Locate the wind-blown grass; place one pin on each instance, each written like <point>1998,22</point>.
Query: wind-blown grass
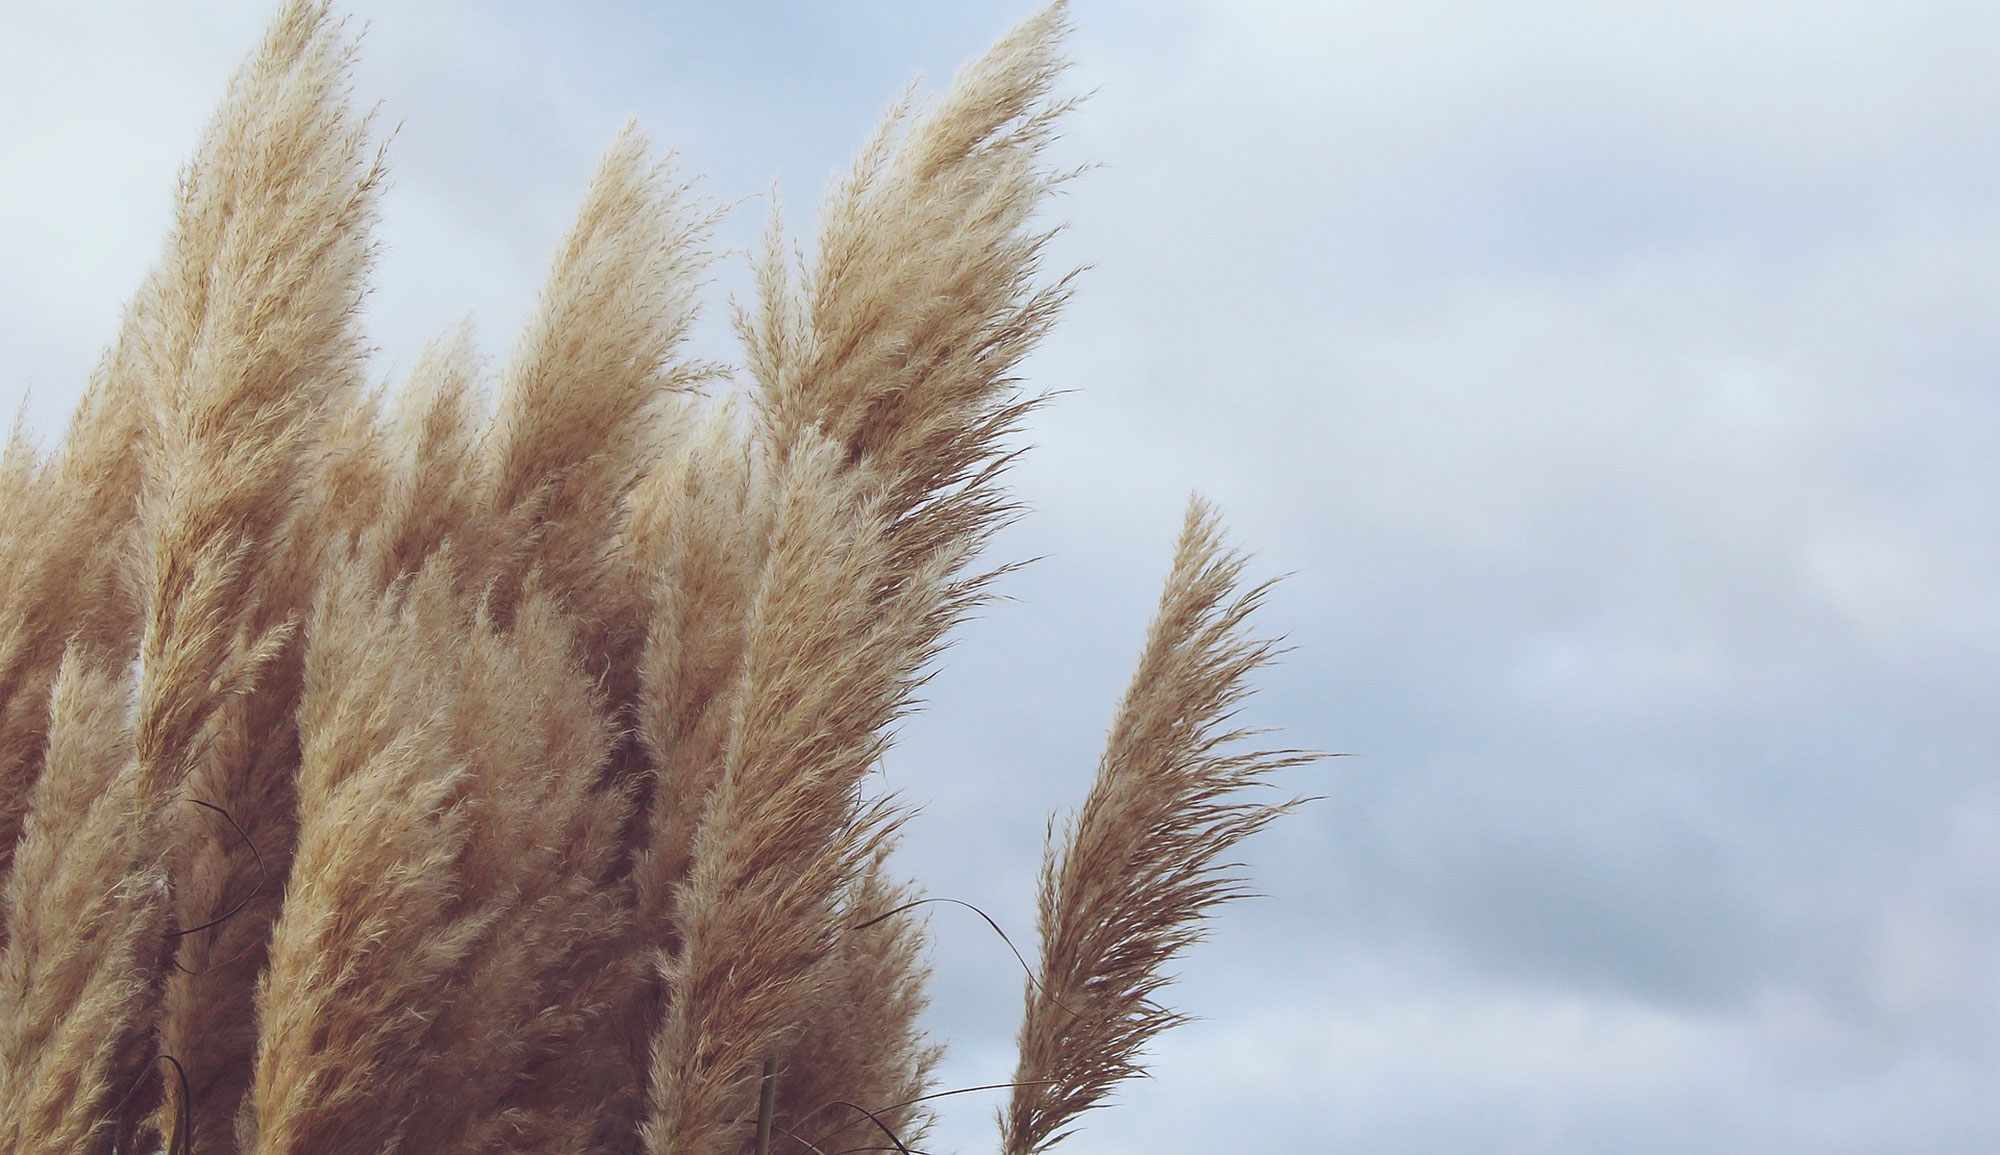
<point>416,774</point>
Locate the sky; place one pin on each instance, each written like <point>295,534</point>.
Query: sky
<point>1616,386</point>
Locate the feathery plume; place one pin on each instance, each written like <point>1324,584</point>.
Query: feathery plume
<point>254,348</point>
<point>79,978</point>
<point>831,657</point>
<point>253,360</point>
<point>1140,866</point>
<point>495,782</point>
<point>65,547</point>
<point>430,470</point>
<point>700,531</point>
<point>693,547</point>
<point>884,394</point>
<point>579,418</point>
<point>430,981</point>
<point>860,1042</point>
<point>592,404</point>
<point>900,343</point>
<point>364,935</point>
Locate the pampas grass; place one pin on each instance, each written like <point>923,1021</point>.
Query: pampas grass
<point>400,774</point>
<point>80,978</point>
<point>1128,885</point>
<point>252,365</point>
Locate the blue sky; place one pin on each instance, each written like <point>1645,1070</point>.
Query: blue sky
<point>1618,384</point>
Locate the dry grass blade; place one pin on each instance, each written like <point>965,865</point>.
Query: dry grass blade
<point>1140,866</point>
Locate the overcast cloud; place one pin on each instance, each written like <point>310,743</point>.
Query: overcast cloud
<point>1618,382</point>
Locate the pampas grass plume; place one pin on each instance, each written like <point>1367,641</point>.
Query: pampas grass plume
<point>430,772</point>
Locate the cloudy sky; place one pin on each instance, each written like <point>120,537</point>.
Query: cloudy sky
<point>1619,384</point>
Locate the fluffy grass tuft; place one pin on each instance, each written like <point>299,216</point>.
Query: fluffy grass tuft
<point>436,773</point>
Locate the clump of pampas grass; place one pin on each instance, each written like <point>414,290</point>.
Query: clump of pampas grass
<point>408,775</point>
